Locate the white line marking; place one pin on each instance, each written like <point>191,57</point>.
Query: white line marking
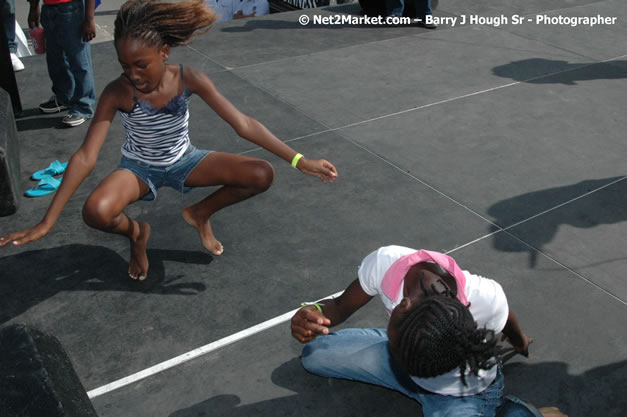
<point>444,101</point>
<point>203,350</point>
<point>284,317</point>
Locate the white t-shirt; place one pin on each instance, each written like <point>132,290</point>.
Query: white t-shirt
<point>488,306</point>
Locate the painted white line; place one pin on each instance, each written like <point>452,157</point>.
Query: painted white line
<point>565,203</point>
<point>285,317</point>
<point>444,101</point>
<point>203,350</point>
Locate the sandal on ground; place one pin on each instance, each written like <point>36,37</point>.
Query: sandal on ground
<point>46,186</point>
<point>55,168</point>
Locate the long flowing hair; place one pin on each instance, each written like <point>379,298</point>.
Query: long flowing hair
<point>159,23</point>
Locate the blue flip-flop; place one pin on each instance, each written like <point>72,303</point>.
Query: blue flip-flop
<point>46,186</point>
<point>55,168</point>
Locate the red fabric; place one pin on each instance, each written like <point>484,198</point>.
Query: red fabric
<point>55,2</point>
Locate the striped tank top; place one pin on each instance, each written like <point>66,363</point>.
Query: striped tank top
<point>157,137</point>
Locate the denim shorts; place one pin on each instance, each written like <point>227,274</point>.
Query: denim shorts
<point>173,176</point>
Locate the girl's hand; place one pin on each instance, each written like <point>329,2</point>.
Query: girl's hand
<point>33,15</point>
<point>321,168</point>
<point>88,30</point>
<point>521,346</point>
<point>308,323</point>
<point>29,235</point>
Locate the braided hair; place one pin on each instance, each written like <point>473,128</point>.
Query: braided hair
<point>440,334</point>
<point>159,23</point>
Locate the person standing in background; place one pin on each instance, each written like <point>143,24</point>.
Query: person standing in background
<point>423,9</point>
<point>8,19</point>
<point>69,26</point>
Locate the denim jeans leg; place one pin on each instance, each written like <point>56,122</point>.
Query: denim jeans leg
<point>423,8</point>
<point>358,355</point>
<point>72,78</point>
<point>78,55</point>
<point>363,355</point>
<point>515,407</point>
<point>62,81</point>
<point>395,7</point>
<point>84,98</point>
<point>8,19</point>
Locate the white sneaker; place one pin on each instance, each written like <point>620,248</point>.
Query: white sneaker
<point>73,120</point>
<point>17,63</point>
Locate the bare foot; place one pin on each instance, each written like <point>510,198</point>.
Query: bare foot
<point>138,266</point>
<point>209,241</point>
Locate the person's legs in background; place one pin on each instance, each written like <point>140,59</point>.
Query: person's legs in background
<point>62,82</point>
<point>78,58</point>
<point>423,9</point>
<point>394,7</point>
<point>69,63</point>
<point>8,19</point>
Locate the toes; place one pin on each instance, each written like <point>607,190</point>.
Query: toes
<point>218,249</point>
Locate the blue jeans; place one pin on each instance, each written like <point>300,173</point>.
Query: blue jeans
<point>396,7</point>
<point>8,19</point>
<point>69,57</point>
<point>515,407</point>
<point>363,355</point>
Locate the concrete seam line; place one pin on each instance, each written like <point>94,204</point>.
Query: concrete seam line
<point>203,350</point>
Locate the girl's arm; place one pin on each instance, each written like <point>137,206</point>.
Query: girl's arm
<point>515,336</point>
<point>309,322</point>
<point>251,129</point>
<point>78,168</point>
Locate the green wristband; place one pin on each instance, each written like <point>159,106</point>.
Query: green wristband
<point>296,159</point>
<point>318,306</point>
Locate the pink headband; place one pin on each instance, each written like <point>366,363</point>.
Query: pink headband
<point>393,278</point>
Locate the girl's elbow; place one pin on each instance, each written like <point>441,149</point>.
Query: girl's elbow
<point>83,159</point>
<point>245,127</point>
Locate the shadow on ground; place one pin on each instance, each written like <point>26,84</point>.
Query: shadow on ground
<point>33,119</point>
<point>539,70</point>
<point>310,395</point>
<point>597,392</point>
<point>606,206</point>
<point>31,277</point>
<point>582,395</point>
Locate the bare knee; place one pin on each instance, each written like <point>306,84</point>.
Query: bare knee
<point>99,213</point>
<point>262,176</point>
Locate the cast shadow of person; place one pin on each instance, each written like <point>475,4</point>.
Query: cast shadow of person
<point>605,206</point>
<point>549,71</point>
<point>31,277</point>
<point>596,392</point>
<point>32,119</point>
<point>312,396</point>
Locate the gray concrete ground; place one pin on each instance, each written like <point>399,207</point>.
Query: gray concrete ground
<point>501,144</point>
